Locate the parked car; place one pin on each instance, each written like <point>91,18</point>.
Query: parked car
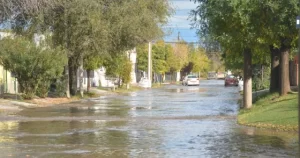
<point>190,80</point>
<point>144,83</point>
<point>212,75</point>
<point>231,80</point>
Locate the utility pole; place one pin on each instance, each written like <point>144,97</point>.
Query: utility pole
<point>178,37</point>
<point>149,65</point>
<point>298,27</point>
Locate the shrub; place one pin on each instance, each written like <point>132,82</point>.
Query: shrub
<point>34,66</point>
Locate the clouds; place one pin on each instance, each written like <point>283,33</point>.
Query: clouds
<point>183,4</point>
<point>180,22</point>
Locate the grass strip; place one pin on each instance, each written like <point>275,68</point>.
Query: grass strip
<point>272,112</point>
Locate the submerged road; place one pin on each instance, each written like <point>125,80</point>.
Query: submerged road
<point>173,121</point>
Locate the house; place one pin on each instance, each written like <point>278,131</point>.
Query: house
<point>8,82</point>
<point>98,77</point>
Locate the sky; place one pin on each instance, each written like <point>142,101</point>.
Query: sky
<point>179,22</point>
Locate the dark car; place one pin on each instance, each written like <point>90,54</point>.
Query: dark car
<point>231,80</point>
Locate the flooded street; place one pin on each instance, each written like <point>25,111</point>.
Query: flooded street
<point>174,121</point>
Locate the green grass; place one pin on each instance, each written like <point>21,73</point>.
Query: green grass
<point>272,111</point>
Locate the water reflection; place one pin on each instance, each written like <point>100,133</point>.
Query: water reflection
<point>175,121</point>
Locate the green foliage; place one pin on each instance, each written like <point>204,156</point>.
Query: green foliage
<point>89,29</point>
<point>142,57</point>
<point>34,66</point>
<point>125,75</point>
<point>234,24</point>
<point>162,57</point>
<point>119,67</point>
<point>92,62</point>
<point>43,88</point>
<point>60,87</point>
<point>261,77</point>
<point>159,53</point>
<point>199,60</point>
<point>180,58</point>
<point>135,22</point>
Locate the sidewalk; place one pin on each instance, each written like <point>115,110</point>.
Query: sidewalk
<point>12,105</point>
<point>11,102</point>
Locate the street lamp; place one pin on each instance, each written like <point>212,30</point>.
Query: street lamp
<point>298,27</point>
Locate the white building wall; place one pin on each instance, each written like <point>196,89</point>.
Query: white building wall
<point>132,56</point>
<point>100,79</point>
<point>8,84</point>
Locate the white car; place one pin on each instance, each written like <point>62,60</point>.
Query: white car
<point>190,80</point>
<point>144,83</point>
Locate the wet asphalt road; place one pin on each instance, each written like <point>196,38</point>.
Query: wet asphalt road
<point>174,121</point>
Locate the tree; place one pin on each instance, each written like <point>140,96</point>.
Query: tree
<point>119,67</point>
<point>35,67</point>
<point>159,58</point>
<point>91,62</point>
<point>162,55</point>
<point>280,35</point>
<point>142,57</point>
<point>227,22</point>
<point>181,56</point>
<point>78,25</point>
<point>199,60</point>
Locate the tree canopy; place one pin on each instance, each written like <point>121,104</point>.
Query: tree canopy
<point>85,29</point>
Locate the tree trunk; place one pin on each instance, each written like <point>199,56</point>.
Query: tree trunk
<point>72,79</point>
<point>247,99</point>
<point>88,73</point>
<point>284,71</point>
<point>66,44</point>
<point>119,81</point>
<point>262,74</point>
<point>293,73</point>
<point>67,81</point>
<point>275,58</point>
<point>81,77</point>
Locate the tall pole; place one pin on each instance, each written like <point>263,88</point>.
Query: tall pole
<point>299,85</point>
<point>149,65</point>
<point>298,27</point>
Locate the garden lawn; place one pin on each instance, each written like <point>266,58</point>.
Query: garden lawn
<point>272,111</point>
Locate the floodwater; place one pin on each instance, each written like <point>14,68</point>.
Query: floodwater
<point>174,121</point>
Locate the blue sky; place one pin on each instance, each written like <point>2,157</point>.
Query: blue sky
<point>179,21</point>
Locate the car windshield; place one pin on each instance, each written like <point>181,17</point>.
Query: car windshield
<point>192,76</point>
<point>230,76</point>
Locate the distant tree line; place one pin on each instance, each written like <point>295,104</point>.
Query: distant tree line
<point>173,58</point>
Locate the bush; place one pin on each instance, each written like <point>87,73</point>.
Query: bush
<point>261,77</point>
<point>34,66</point>
<point>60,87</point>
<point>43,89</point>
